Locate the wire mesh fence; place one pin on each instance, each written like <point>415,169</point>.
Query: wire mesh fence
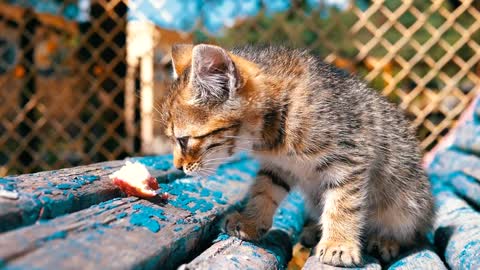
<point>81,80</point>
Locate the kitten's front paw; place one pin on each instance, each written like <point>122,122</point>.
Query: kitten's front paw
<point>338,253</point>
<point>387,249</point>
<point>244,227</point>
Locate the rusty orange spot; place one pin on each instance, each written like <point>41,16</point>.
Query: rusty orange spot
<point>51,46</point>
<point>19,71</point>
<point>97,70</point>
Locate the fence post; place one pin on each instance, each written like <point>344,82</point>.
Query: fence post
<point>140,55</point>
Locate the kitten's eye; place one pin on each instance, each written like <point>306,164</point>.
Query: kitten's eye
<point>183,141</point>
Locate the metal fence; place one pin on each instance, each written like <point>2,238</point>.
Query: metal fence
<point>79,91</point>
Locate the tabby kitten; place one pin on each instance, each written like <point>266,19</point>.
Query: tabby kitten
<point>311,126</point>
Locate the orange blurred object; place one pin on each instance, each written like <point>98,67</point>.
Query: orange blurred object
<point>19,71</point>
<point>299,257</point>
<point>97,70</point>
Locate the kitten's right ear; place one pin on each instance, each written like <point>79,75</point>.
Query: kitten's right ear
<point>181,58</point>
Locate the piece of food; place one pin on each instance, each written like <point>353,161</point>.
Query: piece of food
<point>135,180</point>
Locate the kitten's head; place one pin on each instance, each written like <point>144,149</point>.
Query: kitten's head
<point>206,108</point>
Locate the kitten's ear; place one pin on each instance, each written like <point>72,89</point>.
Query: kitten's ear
<point>215,76</point>
<point>181,58</point>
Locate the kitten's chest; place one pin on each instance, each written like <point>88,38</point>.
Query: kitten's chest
<point>307,173</point>
<point>301,170</point>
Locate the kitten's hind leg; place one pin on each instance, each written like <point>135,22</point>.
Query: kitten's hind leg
<point>394,227</point>
<point>256,219</point>
<point>386,248</point>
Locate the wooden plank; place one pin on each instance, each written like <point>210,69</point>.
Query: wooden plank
<point>273,252</point>
<point>50,194</point>
<point>420,258</point>
<point>126,233</point>
<point>460,170</point>
<point>370,263</point>
<point>454,175</point>
<point>457,227</point>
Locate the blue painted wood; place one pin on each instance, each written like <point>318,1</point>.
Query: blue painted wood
<point>50,194</point>
<point>126,233</point>
<point>369,263</point>
<point>272,252</point>
<point>454,173</point>
<point>419,258</point>
<point>75,218</point>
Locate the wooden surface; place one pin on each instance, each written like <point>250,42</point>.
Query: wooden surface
<point>49,194</point>
<point>272,252</point>
<point>125,233</point>
<point>455,174</point>
<point>76,219</point>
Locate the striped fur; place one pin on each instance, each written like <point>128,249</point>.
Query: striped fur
<point>312,126</point>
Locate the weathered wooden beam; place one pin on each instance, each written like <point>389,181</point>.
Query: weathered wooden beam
<point>369,263</point>
<point>419,258</point>
<point>457,228</point>
<point>455,172</point>
<point>50,194</point>
<point>273,252</point>
<point>126,233</point>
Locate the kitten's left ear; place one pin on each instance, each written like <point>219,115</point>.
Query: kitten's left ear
<point>215,76</point>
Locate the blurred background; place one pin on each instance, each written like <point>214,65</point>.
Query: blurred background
<point>81,80</point>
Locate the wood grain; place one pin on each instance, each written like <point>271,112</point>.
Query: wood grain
<point>272,252</point>
<point>46,195</point>
<point>126,233</point>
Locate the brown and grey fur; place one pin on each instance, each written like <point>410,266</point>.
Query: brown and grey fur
<point>311,126</point>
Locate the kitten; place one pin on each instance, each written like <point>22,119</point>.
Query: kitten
<point>311,126</point>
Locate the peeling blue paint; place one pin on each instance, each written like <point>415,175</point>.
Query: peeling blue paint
<point>290,215</point>
<point>121,215</point>
<point>191,204</point>
<point>107,204</point>
<point>180,189</point>
<point>181,221</point>
<point>76,182</point>
<point>162,163</point>
<point>138,219</point>
<point>144,217</point>
<point>56,235</point>
<point>68,186</point>
<point>8,184</point>
<point>287,224</point>
<point>221,237</point>
<point>457,196</point>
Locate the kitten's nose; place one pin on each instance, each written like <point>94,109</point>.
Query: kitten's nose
<point>180,167</point>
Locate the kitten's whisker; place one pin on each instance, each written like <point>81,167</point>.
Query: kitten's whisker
<point>206,171</point>
<point>154,103</point>
<point>213,151</point>
<point>213,163</point>
<point>213,159</point>
<point>242,138</point>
